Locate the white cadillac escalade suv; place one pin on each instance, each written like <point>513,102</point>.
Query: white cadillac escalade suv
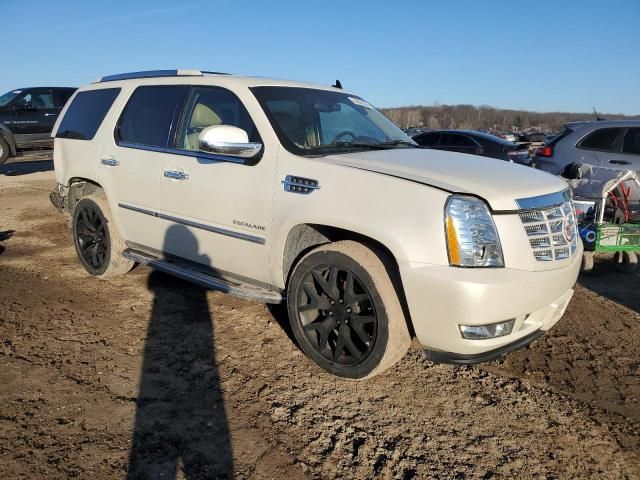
<point>283,191</point>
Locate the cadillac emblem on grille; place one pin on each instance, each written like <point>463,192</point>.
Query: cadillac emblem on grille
<point>552,231</point>
<point>568,229</point>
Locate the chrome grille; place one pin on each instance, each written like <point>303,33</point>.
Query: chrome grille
<point>552,231</point>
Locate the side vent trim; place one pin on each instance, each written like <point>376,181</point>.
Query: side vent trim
<point>301,185</point>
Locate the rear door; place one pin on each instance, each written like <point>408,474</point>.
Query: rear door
<point>597,146</point>
<point>629,155</point>
<point>455,142</point>
<point>131,162</point>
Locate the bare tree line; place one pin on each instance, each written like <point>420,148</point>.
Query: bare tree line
<point>486,117</point>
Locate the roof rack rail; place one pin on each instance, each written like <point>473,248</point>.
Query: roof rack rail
<point>156,73</point>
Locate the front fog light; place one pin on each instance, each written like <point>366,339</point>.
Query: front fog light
<point>482,332</point>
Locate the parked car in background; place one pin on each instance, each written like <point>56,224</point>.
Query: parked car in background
<point>27,116</point>
<point>509,136</point>
<point>475,143</point>
<point>607,143</point>
<point>531,137</point>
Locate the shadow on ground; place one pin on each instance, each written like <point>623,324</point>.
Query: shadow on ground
<point>605,280</point>
<point>5,235</point>
<point>180,422</point>
<point>18,168</point>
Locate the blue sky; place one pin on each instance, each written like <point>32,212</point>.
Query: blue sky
<point>539,55</point>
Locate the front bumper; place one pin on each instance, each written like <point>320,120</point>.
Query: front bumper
<point>475,358</point>
<point>441,298</point>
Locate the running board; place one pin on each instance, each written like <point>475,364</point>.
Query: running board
<point>232,287</point>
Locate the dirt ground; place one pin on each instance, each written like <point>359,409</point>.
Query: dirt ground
<point>147,376</point>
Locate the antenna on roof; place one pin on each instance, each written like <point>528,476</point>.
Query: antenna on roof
<point>337,85</point>
<point>598,119</point>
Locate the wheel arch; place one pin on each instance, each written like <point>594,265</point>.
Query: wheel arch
<point>79,187</point>
<point>302,238</point>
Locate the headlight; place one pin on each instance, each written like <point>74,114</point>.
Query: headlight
<point>472,238</point>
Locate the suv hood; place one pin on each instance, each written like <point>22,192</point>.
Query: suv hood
<point>499,182</point>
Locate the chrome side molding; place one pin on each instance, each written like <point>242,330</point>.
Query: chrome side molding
<point>190,223</point>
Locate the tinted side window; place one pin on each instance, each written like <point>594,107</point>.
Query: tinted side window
<point>453,140</point>
<point>61,96</point>
<point>631,143</point>
<point>466,142</point>
<point>36,99</point>
<point>86,113</point>
<point>427,139</point>
<point>602,139</point>
<point>208,106</point>
<point>147,118</point>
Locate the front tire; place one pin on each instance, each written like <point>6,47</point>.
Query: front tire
<point>345,312</point>
<point>98,243</point>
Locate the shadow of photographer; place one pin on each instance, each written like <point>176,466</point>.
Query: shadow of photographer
<point>180,420</point>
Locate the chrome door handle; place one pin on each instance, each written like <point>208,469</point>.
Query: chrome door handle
<point>110,162</point>
<point>50,114</point>
<point>176,175</point>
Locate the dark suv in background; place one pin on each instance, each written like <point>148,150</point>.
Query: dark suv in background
<point>27,116</point>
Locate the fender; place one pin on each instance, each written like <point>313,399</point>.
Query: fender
<point>8,136</point>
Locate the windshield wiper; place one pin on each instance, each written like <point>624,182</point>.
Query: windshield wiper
<point>330,146</point>
<point>371,146</point>
<point>393,143</point>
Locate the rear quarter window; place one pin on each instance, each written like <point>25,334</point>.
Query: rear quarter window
<point>86,113</point>
<point>602,140</point>
<point>631,143</point>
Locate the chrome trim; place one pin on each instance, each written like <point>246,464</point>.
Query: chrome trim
<point>544,201</point>
<point>242,150</point>
<point>185,153</point>
<point>176,175</point>
<point>238,289</point>
<point>201,226</point>
<point>110,162</point>
<point>301,185</point>
<point>552,231</point>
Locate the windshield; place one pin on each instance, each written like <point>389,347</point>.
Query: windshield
<point>319,122</point>
<point>7,97</point>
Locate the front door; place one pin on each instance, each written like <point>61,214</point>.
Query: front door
<point>34,114</point>
<point>217,210</point>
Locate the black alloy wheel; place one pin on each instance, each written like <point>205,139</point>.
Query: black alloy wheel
<point>337,314</point>
<point>91,237</point>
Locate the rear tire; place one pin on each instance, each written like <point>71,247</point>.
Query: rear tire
<point>626,262</point>
<point>345,312</point>
<point>98,243</point>
<point>5,150</point>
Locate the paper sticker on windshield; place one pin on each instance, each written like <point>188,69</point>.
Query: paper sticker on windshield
<point>360,102</point>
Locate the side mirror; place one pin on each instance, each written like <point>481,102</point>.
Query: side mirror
<point>227,140</point>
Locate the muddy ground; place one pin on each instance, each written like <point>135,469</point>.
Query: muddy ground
<point>151,377</point>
